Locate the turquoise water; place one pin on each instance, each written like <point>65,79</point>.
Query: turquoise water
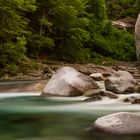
<point>37,118</point>
<point>27,116</point>
<point>31,118</point>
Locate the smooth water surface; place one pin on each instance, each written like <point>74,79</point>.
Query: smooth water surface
<point>27,116</point>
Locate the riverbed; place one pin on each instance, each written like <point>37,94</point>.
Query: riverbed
<point>27,116</point>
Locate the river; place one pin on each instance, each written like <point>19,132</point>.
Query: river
<point>27,116</point>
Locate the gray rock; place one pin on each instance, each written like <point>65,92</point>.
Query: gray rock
<point>97,76</point>
<point>137,38</point>
<point>100,92</point>
<point>68,82</point>
<point>101,84</point>
<point>122,123</point>
<point>121,82</point>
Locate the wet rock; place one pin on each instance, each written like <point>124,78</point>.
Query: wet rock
<point>121,82</point>
<point>110,94</point>
<point>128,100</point>
<point>97,76</point>
<point>68,82</point>
<point>122,123</point>
<point>94,98</point>
<point>91,93</point>
<point>136,100</point>
<point>100,92</point>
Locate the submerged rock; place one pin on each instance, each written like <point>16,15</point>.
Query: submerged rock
<point>121,82</point>
<point>94,98</point>
<point>68,82</point>
<point>122,123</point>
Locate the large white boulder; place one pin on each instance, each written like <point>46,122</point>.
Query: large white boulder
<point>68,82</point>
<point>117,124</point>
<point>121,82</point>
<point>137,38</point>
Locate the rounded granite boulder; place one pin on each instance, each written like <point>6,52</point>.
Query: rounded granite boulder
<point>121,82</point>
<point>122,123</point>
<point>68,82</point>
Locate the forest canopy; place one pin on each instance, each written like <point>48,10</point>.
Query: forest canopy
<point>68,30</point>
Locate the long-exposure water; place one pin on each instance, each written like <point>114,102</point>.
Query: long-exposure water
<point>27,116</point>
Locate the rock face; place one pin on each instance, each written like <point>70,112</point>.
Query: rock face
<point>121,82</point>
<point>68,82</point>
<point>117,124</point>
<point>137,38</point>
<point>97,76</point>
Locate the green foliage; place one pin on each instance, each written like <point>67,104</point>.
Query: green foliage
<point>98,8</point>
<point>13,29</point>
<point>138,5</point>
<point>70,30</point>
<point>79,29</point>
<point>10,53</point>
<point>64,22</point>
<point>117,44</point>
<point>118,9</point>
<point>13,23</point>
<point>109,41</point>
<point>38,43</point>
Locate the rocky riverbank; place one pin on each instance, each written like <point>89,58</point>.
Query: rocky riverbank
<point>68,81</point>
<point>94,83</point>
<point>46,70</point>
<point>97,72</point>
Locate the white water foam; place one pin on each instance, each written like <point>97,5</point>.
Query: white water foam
<point>106,105</point>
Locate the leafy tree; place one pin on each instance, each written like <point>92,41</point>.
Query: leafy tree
<point>13,29</point>
<point>118,9</point>
<point>71,30</point>
<point>107,40</point>
<point>79,29</point>
<point>138,5</point>
<point>65,22</point>
<point>98,8</point>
